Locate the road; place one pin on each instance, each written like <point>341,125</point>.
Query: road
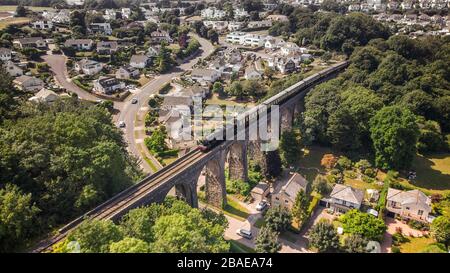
<point>132,114</point>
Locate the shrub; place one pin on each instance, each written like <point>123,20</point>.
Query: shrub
<point>395,249</point>
<point>370,172</point>
<point>344,163</point>
<point>418,225</point>
<point>362,165</point>
<point>398,238</point>
<point>238,187</point>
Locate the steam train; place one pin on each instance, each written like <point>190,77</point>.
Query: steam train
<point>246,118</point>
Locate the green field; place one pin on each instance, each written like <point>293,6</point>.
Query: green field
<point>433,172</point>
<point>234,209</point>
<point>415,245</point>
<point>237,247</point>
<point>13,8</point>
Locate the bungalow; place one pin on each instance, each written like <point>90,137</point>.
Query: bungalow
<point>5,54</point>
<point>139,61</point>
<point>79,44</point>
<point>127,72</point>
<point>107,47</point>
<point>28,83</point>
<point>12,69</point>
<point>285,193</point>
<point>34,42</point>
<point>102,28</point>
<point>345,198</point>
<point>44,95</point>
<point>108,85</point>
<point>273,43</point>
<point>160,35</point>
<point>412,204</point>
<point>88,67</point>
<point>205,75</point>
<point>260,191</point>
<point>42,25</point>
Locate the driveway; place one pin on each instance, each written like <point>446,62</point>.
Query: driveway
<point>392,226</point>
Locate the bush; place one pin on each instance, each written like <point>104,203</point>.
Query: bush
<point>398,238</point>
<point>395,249</point>
<point>370,172</point>
<point>362,165</point>
<point>238,187</point>
<point>344,163</point>
<point>418,225</point>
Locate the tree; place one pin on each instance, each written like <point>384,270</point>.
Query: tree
<point>278,218</point>
<point>235,89</point>
<point>267,241</point>
<point>130,245</point>
<point>95,236</point>
<point>164,60</point>
<point>188,233</point>
<point>324,237</point>
<point>273,164</point>
<point>213,36</point>
<point>394,133</point>
<point>21,11</point>
<point>300,209</point>
<point>218,88</point>
<point>7,94</point>
<point>17,215</point>
<point>440,230</point>
<point>290,147</point>
<point>321,185</point>
<point>355,243</point>
<point>364,224</point>
<point>138,223</point>
<point>157,141</point>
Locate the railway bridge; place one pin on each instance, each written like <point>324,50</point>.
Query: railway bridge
<point>183,174</point>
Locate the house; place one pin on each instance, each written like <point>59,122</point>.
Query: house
<point>153,51</point>
<point>44,95</point>
<point>219,26</point>
<point>285,193</point>
<point>212,13</point>
<point>160,35</point>
<point>107,47</point>
<point>277,18</point>
<point>236,37</point>
<point>139,61</point>
<point>254,40</point>
<point>345,198</point>
<point>218,64</point>
<point>28,83</point>
<point>240,13</point>
<point>5,54</point>
<point>273,43</point>
<point>177,121</point>
<point>283,64</point>
<point>259,24</point>
<point>31,42</point>
<point>12,69</point>
<point>232,55</point>
<point>108,85</point>
<point>42,25</point>
<point>110,14</point>
<point>88,67</point>
<point>412,204</point>
<point>234,26</point>
<point>194,91</point>
<point>127,72</point>
<point>260,191</point>
<point>173,100</point>
<point>290,48</point>
<point>205,75</point>
<point>251,73</point>
<point>102,28</point>
<point>79,44</point>
<point>126,13</point>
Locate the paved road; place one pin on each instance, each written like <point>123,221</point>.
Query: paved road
<point>128,112</point>
<point>134,131</point>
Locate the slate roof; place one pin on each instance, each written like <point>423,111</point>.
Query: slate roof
<point>347,194</point>
<point>412,197</point>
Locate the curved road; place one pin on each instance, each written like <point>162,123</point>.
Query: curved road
<point>128,111</point>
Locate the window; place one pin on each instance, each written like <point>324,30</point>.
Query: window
<point>407,208</point>
<point>420,212</point>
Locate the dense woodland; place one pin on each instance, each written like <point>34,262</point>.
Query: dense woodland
<point>393,100</point>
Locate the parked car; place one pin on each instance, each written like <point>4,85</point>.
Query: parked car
<point>262,205</point>
<point>134,101</point>
<point>244,233</point>
<point>121,124</point>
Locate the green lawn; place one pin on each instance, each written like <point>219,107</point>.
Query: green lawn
<point>415,245</point>
<point>309,162</point>
<point>234,209</point>
<point>359,184</point>
<point>237,247</point>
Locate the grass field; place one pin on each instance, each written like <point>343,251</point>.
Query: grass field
<point>309,163</point>
<point>237,247</point>
<point>415,245</point>
<point>433,172</point>
<point>13,8</point>
<point>13,21</point>
<point>234,209</point>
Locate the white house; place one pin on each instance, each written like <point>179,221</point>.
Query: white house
<point>79,44</point>
<point>139,61</point>
<point>412,204</point>
<point>273,43</point>
<point>5,54</point>
<point>205,75</point>
<point>259,24</point>
<point>102,28</point>
<point>236,37</point>
<point>42,25</point>
<point>36,42</point>
<point>345,198</point>
<point>240,13</point>
<point>234,26</point>
<point>290,48</point>
<point>160,35</point>
<point>44,95</point>
<point>88,67</point>
<point>108,85</point>
<point>212,13</point>
<point>254,40</point>
<point>127,72</point>
<point>126,13</point>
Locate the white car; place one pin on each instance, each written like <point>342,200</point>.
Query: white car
<point>122,124</point>
<point>262,205</point>
<point>244,233</point>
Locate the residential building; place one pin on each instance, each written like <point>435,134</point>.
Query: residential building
<point>153,51</point>
<point>126,13</point>
<point>31,42</point>
<point>273,43</point>
<point>5,54</point>
<point>412,204</point>
<point>345,198</point>
<point>12,69</point>
<point>110,14</point>
<point>205,75</point>
<point>234,26</point>
<point>251,73</point>
<point>108,85</point>
<point>107,47</point>
<point>139,61</point>
<point>260,191</point>
<point>290,48</point>
<point>254,40</point>
<point>44,95</point>
<point>236,37</point>
<point>88,67</point>
<point>42,25</point>
<point>102,28</point>
<point>283,64</point>
<point>240,13</point>
<point>259,24</point>
<point>160,35</point>
<point>79,44</point>
<point>212,13</point>
<point>28,83</point>
<point>284,194</point>
<point>277,18</point>
<point>127,72</point>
